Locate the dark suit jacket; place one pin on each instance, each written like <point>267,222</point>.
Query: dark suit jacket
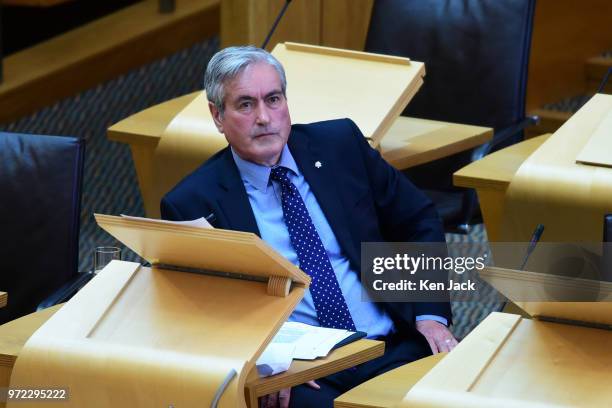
<point>363,198</point>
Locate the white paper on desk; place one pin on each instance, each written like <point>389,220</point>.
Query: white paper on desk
<point>334,338</point>
<point>275,359</point>
<point>313,342</point>
<point>318,343</point>
<point>198,222</point>
<point>297,341</point>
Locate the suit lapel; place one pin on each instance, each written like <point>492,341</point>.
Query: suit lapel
<point>236,209</point>
<point>320,172</point>
<point>233,200</point>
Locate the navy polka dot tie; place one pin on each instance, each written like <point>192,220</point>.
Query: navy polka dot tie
<point>330,304</point>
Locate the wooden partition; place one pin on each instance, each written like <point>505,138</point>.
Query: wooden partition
<point>333,23</point>
<point>566,33</point>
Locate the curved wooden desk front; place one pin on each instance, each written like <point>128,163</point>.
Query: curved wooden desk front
<point>409,142</point>
<point>491,176</point>
<point>14,334</point>
<point>388,389</point>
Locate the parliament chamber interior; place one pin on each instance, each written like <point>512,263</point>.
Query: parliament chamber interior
<point>497,111</point>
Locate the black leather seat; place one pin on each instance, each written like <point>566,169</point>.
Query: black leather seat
<point>476,54</point>
<point>40,184</point>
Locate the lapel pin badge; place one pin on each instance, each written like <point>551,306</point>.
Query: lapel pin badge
<point>318,164</point>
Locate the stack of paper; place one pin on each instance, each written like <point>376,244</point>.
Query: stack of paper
<point>298,341</point>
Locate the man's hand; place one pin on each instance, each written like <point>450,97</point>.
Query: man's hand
<point>438,336</point>
<point>281,398</point>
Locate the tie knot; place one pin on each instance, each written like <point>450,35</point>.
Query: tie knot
<point>279,173</point>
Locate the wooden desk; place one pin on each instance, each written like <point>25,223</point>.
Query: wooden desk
<point>409,142</point>
<point>303,371</point>
<point>412,141</point>
<point>491,177</point>
<point>14,334</point>
<point>3,299</point>
<point>388,389</point>
<point>507,361</point>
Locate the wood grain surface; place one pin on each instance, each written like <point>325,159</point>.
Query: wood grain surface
<point>387,390</point>
<point>302,371</point>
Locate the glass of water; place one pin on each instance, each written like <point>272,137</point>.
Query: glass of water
<point>103,255</point>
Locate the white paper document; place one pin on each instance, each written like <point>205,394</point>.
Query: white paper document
<point>275,359</point>
<point>298,341</point>
<point>198,222</point>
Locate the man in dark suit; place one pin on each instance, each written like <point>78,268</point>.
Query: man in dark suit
<point>314,193</point>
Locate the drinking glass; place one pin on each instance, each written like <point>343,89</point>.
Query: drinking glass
<point>103,255</point>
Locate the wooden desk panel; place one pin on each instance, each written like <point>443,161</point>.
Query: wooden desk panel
<point>13,336</point>
<point>491,176</point>
<point>302,371</point>
<point>507,361</point>
<point>388,389</point>
<point>413,141</point>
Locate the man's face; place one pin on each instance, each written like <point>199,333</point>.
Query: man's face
<point>256,120</point>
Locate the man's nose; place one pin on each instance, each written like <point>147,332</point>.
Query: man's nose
<point>263,116</point>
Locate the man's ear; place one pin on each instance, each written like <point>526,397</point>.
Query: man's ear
<point>216,115</point>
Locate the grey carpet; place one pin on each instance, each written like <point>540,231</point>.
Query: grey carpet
<point>571,104</point>
<point>467,314</point>
<point>574,103</point>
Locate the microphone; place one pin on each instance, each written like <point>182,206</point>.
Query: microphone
<point>535,237</point>
<point>604,82</point>
<point>278,18</point>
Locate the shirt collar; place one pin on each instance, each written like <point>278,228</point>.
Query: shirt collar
<point>257,175</point>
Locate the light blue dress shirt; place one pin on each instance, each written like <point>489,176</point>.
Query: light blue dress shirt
<point>265,199</point>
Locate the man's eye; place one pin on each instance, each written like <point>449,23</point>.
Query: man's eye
<point>274,99</point>
<point>245,105</point>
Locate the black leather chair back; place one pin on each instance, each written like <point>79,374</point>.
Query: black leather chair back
<point>40,190</point>
<point>476,56</point>
<point>475,52</point>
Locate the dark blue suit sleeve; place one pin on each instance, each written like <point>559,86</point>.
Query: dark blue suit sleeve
<point>169,211</point>
<point>405,213</point>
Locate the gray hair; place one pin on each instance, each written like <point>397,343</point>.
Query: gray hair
<point>226,64</point>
